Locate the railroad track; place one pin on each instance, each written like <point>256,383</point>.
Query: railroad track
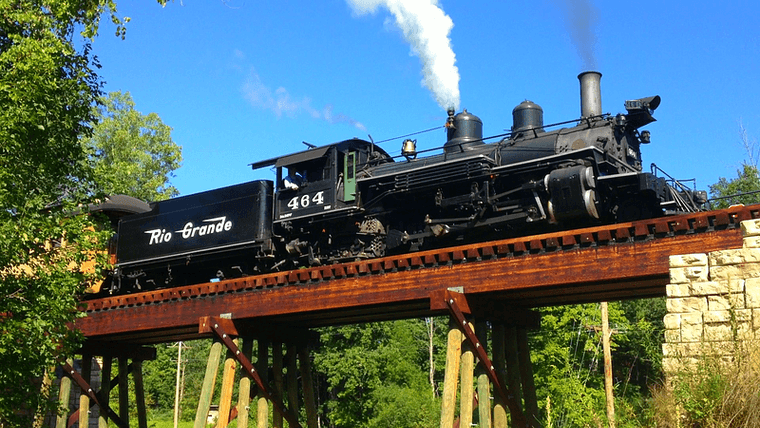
<point>620,234</point>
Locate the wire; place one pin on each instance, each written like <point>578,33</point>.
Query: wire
<point>408,135</point>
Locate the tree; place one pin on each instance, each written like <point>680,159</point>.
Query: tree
<point>568,365</point>
<point>740,190</point>
<point>745,188</point>
<point>47,90</point>
<point>375,375</point>
<point>133,154</point>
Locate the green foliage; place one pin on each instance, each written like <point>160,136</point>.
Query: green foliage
<point>700,402</point>
<point>745,188</point>
<point>132,153</point>
<point>160,377</point>
<point>569,366</point>
<point>738,190</point>
<point>47,90</point>
<point>39,283</point>
<point>637,361</point>
<point>404,407</point>
<point>714,392</point>
<point>372,371</point>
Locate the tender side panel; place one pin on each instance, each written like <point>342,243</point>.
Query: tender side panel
<point>231,216</point>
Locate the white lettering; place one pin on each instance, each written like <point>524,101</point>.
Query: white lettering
<point>216,225</point>
<point>306,200</point>
<point>293,203</point>
<point>158,236</point>
<point>187,230</point>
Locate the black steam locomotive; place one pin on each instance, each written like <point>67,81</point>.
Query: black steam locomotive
<point>352,200</point>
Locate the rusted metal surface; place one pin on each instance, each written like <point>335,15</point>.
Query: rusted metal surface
<point>602,263</point>
<point>223,329</point>
<point>95,398</point>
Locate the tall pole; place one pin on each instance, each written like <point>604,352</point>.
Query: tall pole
<point>607,366</point>
<point>176,390</point>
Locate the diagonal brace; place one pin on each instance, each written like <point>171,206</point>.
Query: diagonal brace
<point>506,396</point>
<point>216,325</point>
<point>87,390</point>
<point>114,383</point>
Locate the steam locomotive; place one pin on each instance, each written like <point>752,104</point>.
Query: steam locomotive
<point>351,200</point>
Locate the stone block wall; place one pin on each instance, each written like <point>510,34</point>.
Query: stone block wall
<point>713,300</point>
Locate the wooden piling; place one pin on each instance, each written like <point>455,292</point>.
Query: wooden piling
<point>47,383</point>
<point>513,367</point>
<point>526,375</point>
<point>142,414</point>
<point>453,355</point>
<point>64,395</point>
<point>228,382</point>
<point>123,391</point>
<point>308,387</point>
<point>499,408</point>
<point>607,366</point>
<point>466,389</point>
<point>262,406</point>
<point>84,400</point>
<point>105,389</point>
<point>209,380</point>
<point>279,387</point>
<point>292,381</point>
<point>244,394</point>
<point>484,386</point>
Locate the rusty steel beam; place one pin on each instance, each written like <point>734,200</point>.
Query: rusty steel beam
<point>224,328</point>
<point>452,301</point>
<point>86,389</point>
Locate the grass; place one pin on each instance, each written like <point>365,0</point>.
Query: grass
<point>716,393</point>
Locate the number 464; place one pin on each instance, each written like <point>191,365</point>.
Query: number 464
<point>306,200</point>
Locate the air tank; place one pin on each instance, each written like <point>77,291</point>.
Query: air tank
<point>463,131</point>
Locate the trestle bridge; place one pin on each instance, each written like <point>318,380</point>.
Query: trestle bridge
<point>497,282</point>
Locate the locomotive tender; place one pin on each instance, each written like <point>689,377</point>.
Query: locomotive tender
<point>352,200</point>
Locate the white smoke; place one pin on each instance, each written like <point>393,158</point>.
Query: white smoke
<point>426,28</point>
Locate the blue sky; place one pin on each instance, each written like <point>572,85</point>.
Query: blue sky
<point>241,81</point>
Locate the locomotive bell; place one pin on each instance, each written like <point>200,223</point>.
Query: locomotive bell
<point>409,149</point>
<point>527,116</point>
<point>463,132</point>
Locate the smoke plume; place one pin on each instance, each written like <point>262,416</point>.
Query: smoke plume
<point>426,28</point>
<point>581,20</point>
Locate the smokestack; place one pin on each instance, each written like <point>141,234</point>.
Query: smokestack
<point>591,93</point>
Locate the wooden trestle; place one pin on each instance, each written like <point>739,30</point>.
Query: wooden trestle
<point>496,281</point>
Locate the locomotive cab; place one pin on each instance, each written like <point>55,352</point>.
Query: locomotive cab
<point>317,203</point>
<point>315,183</point>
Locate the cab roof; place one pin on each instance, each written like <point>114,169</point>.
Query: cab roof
<point>318,152</point>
